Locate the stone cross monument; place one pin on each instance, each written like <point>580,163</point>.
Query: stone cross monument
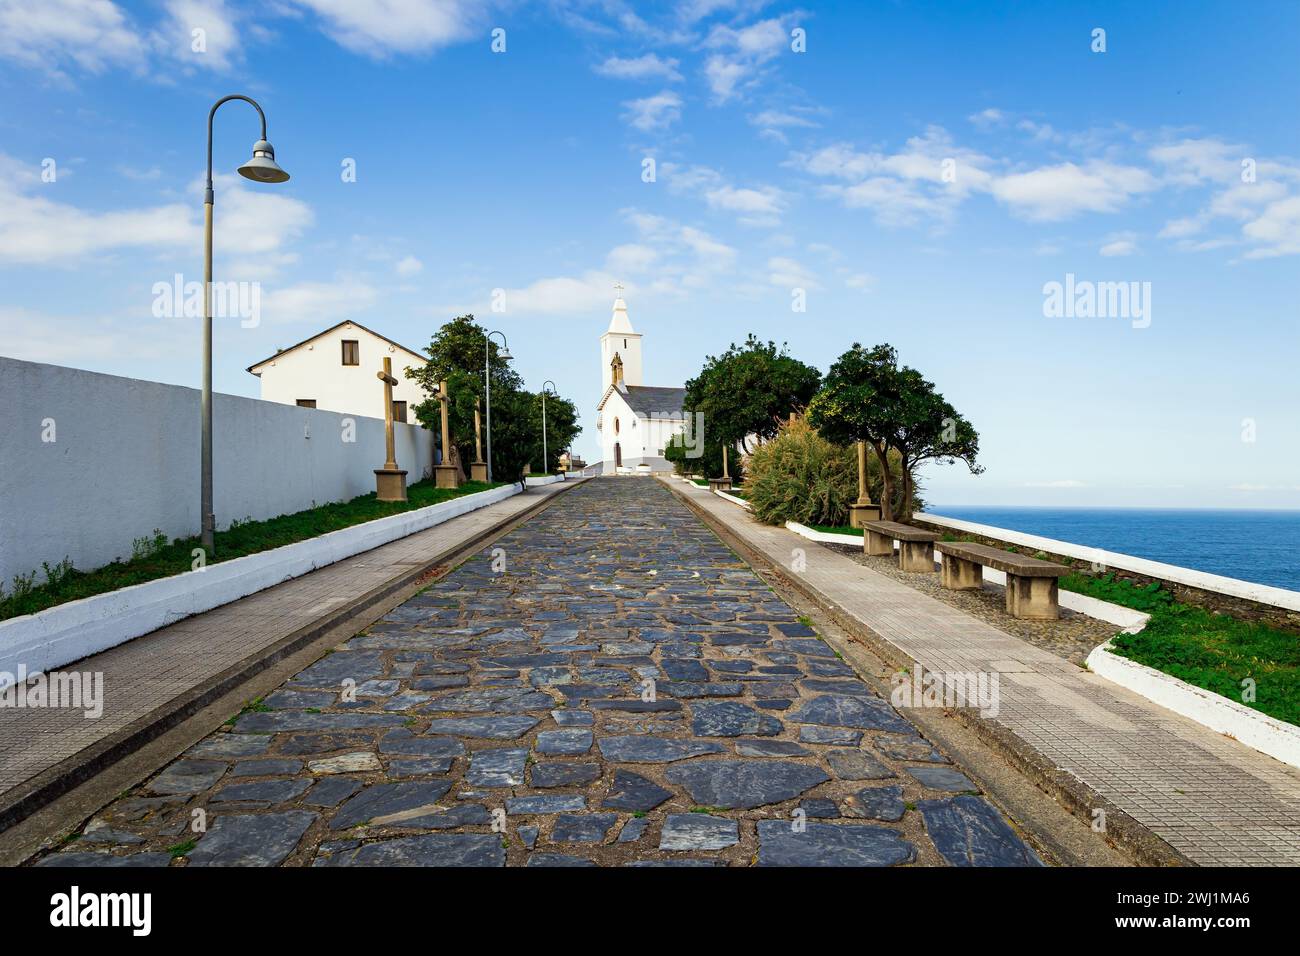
<point>390,481</point>
<point>445,474</point>
<point>478,469</point>
<point>862,509</point>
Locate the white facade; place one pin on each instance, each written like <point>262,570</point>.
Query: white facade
<point>314,371</point>
<point>635,421</point>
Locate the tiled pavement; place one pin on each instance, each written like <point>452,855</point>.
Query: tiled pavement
<point>606,684</point>
<point>146,673</point>
<point>1212,798</point>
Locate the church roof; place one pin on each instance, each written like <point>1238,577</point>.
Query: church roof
<point>647,400</point>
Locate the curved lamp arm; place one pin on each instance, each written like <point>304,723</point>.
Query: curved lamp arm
<point>208,196</point>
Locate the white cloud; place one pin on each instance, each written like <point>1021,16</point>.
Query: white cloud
<point>409,266</point>
<point>757,207</point>
<point>789,273</point>
<point>1058,192</point>
<point>649,66</point>
<point>52,35</point>
<point>631,258</point>
<point>1119,244</point>
<point>985,119</point>
<point>219,42</point>
<point>654,112</point>
<point>317,303</point>
<point>742,53</point>
<point>379,28</point>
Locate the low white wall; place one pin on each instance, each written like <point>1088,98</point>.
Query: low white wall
<point>125,460</point>
<point>1247,590</point>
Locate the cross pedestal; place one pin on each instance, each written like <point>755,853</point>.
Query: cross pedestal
<point>862,510</point>
<point>445,474</point>
<point>390,481</point>
<point>478,469</point>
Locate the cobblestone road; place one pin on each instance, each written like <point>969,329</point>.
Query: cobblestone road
<point>606,684</point>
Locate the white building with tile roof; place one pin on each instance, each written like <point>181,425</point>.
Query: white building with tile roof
<point>336,370</point>
<point>635,421</point>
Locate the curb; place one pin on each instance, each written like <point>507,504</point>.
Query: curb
<point>39,791</point>
<point>1076,796</point>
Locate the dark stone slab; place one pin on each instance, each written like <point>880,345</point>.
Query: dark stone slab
<point>433,849</point>
<point>389,803</point>
<point>844,710</point>
<point>262,839</point>
<point>698,831</point>
<point>819,808</point>
<point>82,859</point>
<point>878,803</point>
<point>230,745</point>
<point>854,687</point>
<point>189,776</point>
<point>573,718</point>
<point>502,767</point>
<point>266,768</point>
<point>856,765</point>
<point>642,749</point>
<point>547,775</point>
<point>280,721</point>
<point>331,791</point>
<point>490,700</point>
<point>637,706</point>
<point>685,669</point>
<point>968,832</point>
<point>582,827</point>
<point>773,703</point>
<point>557,859</point>
<point>770,748</point>
<point>418,766</point>
<point>333,669</point>
<point>829,735</point>
<point>321,743</point>
<point>731,719</point>
<point>565,742</point>
<point>909,748</point>
<point>743,784</point>
<point>546,803</point>
<point>689,689</point>
<point>830,844</point>
<point>402,741</point>
<point>498,728</point>
<point>941,778</point>
<point>796,630</point>
<point>262,791</point>
<point>633,830</point>
<point>631,791</point>
<point>439,682</point>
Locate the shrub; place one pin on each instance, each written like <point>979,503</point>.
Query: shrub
<point>800,476</point>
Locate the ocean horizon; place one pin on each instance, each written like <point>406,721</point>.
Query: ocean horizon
<point>1250,544</point>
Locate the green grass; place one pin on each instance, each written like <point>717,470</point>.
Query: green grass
<point>1213,651</point>
<point>155,558</point>
<point>702,482</point>
<point>837,529</point>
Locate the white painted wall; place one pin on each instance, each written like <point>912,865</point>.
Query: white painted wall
<point>316,371</point>
<point>125,460</point>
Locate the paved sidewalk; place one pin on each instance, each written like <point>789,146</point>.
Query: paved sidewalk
<point>1213,799</point>
<point>606,685</point>
<point>148,672</point>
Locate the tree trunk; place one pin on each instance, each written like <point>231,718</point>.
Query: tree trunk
<point>887,482</point>
<point>905,505</point>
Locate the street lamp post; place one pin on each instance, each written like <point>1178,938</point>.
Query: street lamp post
<point>487,387</point>
<point>546,461</point>
<point>262,168</point>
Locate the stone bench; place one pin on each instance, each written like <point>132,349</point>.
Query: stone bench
<point>719,484</point>
<point>915,547</point>
<point>1032,584</point>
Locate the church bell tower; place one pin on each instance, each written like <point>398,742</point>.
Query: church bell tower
<point>620,340</point>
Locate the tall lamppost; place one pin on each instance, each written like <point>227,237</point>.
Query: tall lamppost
<point>546,461</point>
<point>262,168</point>
<point>487,386</point>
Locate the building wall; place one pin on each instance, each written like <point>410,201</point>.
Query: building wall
<point>125,460</point>
<point>316,371</point>
<point>642,439</point>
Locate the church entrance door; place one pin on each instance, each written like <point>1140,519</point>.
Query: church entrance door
<point>618,455</point>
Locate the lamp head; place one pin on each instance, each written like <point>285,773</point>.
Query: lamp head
<point>262,168</point>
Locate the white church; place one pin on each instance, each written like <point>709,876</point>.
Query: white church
<point>635,421</point>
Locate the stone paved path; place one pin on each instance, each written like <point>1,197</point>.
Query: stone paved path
<point>146,673</point>
<point>1210,797</point>
<point>607,684</point>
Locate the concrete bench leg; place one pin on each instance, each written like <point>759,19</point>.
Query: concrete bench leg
<point>916,556</point>
<point>878,544</point>
<point>958,574</point>
<point>1032,598</point>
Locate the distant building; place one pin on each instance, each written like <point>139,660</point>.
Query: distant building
<point>335,370</point>
<point>635,421</point>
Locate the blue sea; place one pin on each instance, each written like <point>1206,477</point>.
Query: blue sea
<point>1259,546</point>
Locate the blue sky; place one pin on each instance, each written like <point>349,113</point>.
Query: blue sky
<point>921,171</point>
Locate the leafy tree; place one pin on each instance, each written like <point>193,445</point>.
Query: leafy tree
<point>929,429</point>
<point>561,427</point>
<point>800,476</point>
<point>749,391</point>
<point>516,434</point>
<point>861,400</point>
<point>707,463</point>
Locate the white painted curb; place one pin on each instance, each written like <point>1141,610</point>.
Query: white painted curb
<point>68,632</point>
<point>1266,734</point>
<point>1128,620</point>
<point>543,480</point>
<point>734,500</point>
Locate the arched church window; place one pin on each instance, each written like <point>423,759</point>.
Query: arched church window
<point>615,426</point>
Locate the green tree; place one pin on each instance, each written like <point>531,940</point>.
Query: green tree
<point>749,391</point>
<point>561,427</point>
<point>861,400</point>
<point>516,433</point>
<point>929,429</point>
